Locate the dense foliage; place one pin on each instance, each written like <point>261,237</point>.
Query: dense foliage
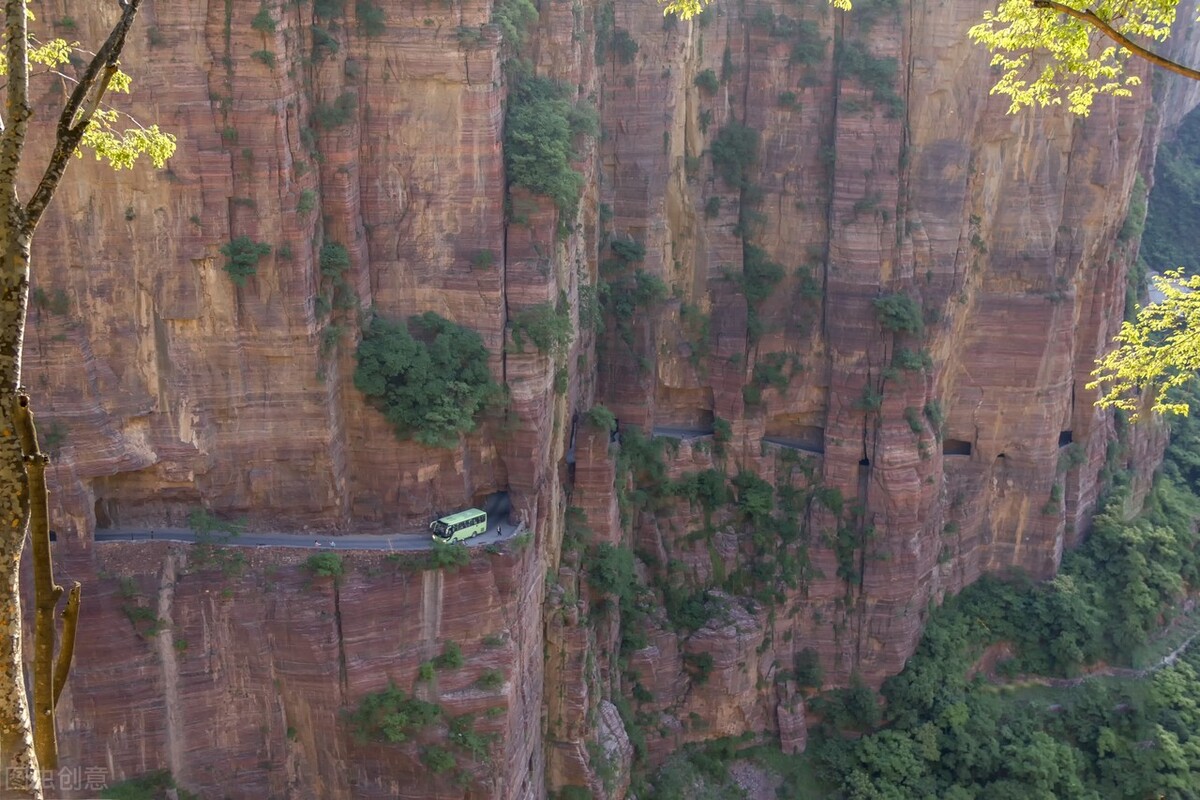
<point>899,313</point>
<point>952,736</point>
<point>539,134</point>
<point>391,716</point>
<point>547,326</point>
<point>150,786</point>
<point>514,18</point>
<point>1096,740</point>
<point>734,152</point>
<point>1156,353</point>
<point>371,19</point>
<point>431,386</point>
<point>1172,239</point>
<point>1074,62</point>
<point>948,732</point>
<point>1049,52</point>
<point>325,565</point>
<point>242,256</point>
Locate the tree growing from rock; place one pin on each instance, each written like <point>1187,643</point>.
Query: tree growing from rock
<point>85,121</point>
<point>1156,352</point>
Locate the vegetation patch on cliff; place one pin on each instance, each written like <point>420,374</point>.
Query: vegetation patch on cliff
<point>540,130</point>
<point>1106,737</point>
<point>242,256</point>
<point>1172,240</point>
<point>149,786</point>
<point>549,327</point>
<point>392,716</point>
<point>431,386</point>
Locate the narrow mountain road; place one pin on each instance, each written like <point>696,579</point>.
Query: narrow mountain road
<point>681,433</point>
<point>1126,672</point>
<point>397,542</point>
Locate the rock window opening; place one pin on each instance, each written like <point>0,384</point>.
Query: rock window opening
<point>955,447</point>
<point>1065,438</point>
<point>809,438</point>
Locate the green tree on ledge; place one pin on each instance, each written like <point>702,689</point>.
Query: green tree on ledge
<point>84,121</point>
<point>432,386</point>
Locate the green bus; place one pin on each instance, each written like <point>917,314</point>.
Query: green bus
<point>460,526</point>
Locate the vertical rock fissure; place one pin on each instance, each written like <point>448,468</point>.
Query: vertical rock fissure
<point>168,657</point>
<point>902,166</point>
<point>746,72</point>
<point>504,293</point>
<point>343,681</point>
<point>831,166</point>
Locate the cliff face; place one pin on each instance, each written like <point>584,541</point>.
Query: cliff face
<point>862,283</point>
<point>238,670</point>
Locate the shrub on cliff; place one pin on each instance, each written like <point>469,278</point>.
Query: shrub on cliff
<point>438,759</point>
<point>328,116</point>
<point>371,19</point>
<point>547,327</point>
<point>514,18</point>
<point>431,387</point>
<point>610,570</point>
<point>263,22</point>
<point>451,657</point>
<point>602,418</point>
<point>624,45</point>
<point>707,81</point>
<point>807,670</point>
<point>734,152</point>
<point>242,257</point>
<point>539,130</point>
<point>755,497</point>
<point>325,565</point>
<point>150,784</point>
<point>391,716</point>
<point>326,9</point>
<point>899,313</point>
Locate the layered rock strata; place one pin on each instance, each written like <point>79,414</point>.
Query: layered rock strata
<point>841,268</point>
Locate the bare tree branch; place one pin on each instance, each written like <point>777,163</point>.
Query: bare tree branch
<point>1091,18</point>
<point>66,649</point>
<point>75,116</point>
<point>46,593</point>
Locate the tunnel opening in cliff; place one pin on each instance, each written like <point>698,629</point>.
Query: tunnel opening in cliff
<point>809,438</point>
<point>142,497</point>
<point>955,447</point>
<point>497,505</point>
<point>684,409</point>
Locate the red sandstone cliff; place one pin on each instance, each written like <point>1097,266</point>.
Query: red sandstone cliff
<point>171,387</point>
<point>238,678</point>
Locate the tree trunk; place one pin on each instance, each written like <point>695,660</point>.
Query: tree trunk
<point>19,770</point>
<point>46,593</point>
